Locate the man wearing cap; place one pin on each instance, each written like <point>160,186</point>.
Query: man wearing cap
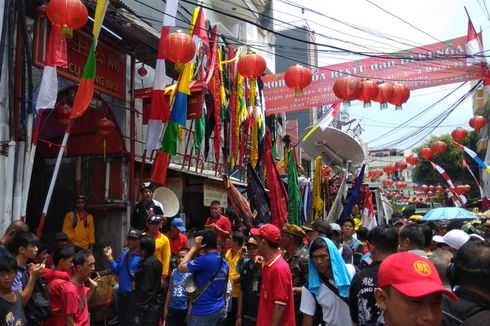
<point>79,225</point>
<point>125,267</point>
<point>276,305</point>
<point>297,259</point>
<point>217,222</point>
<point>61,241</point>
<point>162,244</point>
<point>455,239</point>
<point>176,236</point>
<point>409,291</point>
<point>146,207</point>
<point>345,250</point>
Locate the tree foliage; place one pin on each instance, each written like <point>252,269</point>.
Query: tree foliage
<point>450,161</point>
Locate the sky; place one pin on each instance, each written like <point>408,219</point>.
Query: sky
<point>426,22</point>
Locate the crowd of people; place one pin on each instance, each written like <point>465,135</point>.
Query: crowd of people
<point>403,273</point>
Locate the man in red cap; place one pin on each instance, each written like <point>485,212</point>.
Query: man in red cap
<point>410,291</point>
<point>276,304</point>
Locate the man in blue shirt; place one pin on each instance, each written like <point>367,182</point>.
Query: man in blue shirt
<point>209,308</point>
<point>124,267</point>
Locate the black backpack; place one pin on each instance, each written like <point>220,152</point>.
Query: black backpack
<point>38,308</point>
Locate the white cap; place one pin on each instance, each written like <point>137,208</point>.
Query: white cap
<point>454,238</point>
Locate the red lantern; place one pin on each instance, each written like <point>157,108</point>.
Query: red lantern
<point>62,114</point>
<point>385,94</point>
<point>142,71</point>
<point>439,187</point>
<point>447,190</point>
<point>179,48</point>
<point>429,193</point>
<point>459,134</point>
<point>369,91</point>
<point>431,187</point>
<point>387,182</point>
<point>378,173</point>
<point>477,122</point>
<point>347,88</point>
<point>424,188</point>
<point>401,94</point>
<point>389,169</point>
<point>251,65</point>
<point>412,159</point>
<point>426,153</point>
<point>438,147</point>
<point>297,77</point>
<point>415,186</point>
<point>105,127</point>
<point>69,14</point>
<point>401,165</point>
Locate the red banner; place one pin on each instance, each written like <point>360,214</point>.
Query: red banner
<point>427,66</point>
<point>111,59</point>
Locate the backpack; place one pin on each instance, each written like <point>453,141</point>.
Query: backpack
<point>38,308</point>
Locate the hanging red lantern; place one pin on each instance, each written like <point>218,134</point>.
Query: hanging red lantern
<point>477,122</point>
<point>385,94</point>
<point>297,77</point>
<point>415,186</point>
<point>426,153</point>
<point>412,159</point>
<point>424,188</point>
<point>459,134</point>
<point>105,127</point>
<point>251,65</point>
<point>401,165</point>
<point>439,187</point>
<point>401,94</point>
<point>62,114</point>
<point>447,190</point>
<point>438,146</point>
<point>178,48</point>
<point>387,182</point>
<point>379,173</point>
<point>369,91</point>
<point>438,192</point>
<point>431,187</point>
<point>142,71</point>
<point>389,169</point>
<point>429,193</point>
<point>347,89</point>
<point>69,14</point>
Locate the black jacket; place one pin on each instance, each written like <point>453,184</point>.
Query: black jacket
<point>147,300</point>
<point>469,304</point>
<point>140,214</point>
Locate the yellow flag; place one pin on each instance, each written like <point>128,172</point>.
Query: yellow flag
<point>99,17</point>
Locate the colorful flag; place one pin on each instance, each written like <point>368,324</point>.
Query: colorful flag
<point>55,57</point>
<point>323,123</point>
<point>458,200</point>
<point>346,213</point>
<point>474,156</point>
<point>85,91</point>
<point>305,212</point>
<point>368,219</point>
<point>474,48</point>
<point>337,206</point>
<point>317,192</point>
<point>294,194</point>
<point>484,199</point>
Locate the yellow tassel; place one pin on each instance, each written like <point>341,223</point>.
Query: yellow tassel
<point>253,90</point>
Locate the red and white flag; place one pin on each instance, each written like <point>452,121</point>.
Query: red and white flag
<point>484,200</point>
<point>474,47</point>
<point>368,219</point>
<point>458,200</point>
<point>160,109</point>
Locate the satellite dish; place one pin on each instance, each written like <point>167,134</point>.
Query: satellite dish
<point>168,199</point>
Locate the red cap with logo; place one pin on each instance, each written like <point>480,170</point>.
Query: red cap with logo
<point>412,275</point>
<point>269,232</point>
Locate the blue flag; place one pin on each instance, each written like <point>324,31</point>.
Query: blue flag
<point>353,197</point>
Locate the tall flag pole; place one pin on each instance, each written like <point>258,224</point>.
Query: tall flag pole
<point>474,156</point>
<point>484,199</point>
<point>474,47</point>
<point>458,200</point>
<point>160,110</point>
<point>81,103</point>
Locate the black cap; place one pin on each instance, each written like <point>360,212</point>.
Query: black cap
<point>80,197</point>
<point>61,236</point>
<point>134,234</point>
<point>322,226</point>
<point>146,185</point>
<point>154,219</point>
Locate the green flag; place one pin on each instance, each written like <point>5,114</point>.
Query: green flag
<point>294,194</point>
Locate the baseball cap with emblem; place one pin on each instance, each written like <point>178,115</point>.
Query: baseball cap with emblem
<point>134,234</point>
<point>146,185</point>
<point>411,275</point>
<point>294,230</point>
<point>269,232</point>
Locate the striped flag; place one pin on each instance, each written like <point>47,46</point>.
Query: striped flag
<point>324,122</point>
<point>85,91</point>
<point>367,218</point>
<point>458,200</point>
<point>484,199</point>
<point>474,156</point>
<point>474,48</point>
<point>160,109</point>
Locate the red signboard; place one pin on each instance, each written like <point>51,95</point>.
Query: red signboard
<point>427,66</point>
<point>111,60</point>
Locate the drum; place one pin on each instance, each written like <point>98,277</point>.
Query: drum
<point>101,304</point>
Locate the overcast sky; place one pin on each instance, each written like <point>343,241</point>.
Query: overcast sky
<point>438,20</point>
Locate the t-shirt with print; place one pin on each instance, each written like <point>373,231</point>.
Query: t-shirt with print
<point>203,268</point>
<point>74,301</point>
<point>178,296</point>
<point>12,313</point>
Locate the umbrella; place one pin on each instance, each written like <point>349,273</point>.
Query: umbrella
<point>448,213</point>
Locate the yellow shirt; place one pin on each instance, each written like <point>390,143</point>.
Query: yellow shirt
<point>162,252</point>
<point>82,236</point>
<point>232,262</point>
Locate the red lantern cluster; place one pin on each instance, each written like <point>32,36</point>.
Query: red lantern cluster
<point>389,169</point>
<point>424,188</point>
<point>369,91</point>
<point>347,89</point>
<point>178,48</point>
<point>438,147</point>
<point>415,186</point>
<point>400,184</point>
<point>374,174</point>
<point>401,165</point>
<point>387,182</point>
<point>477,122</point>
<point>401,94</point>
<point>412,159</point>
<point>69,14</point>
<point>426,153</point>
<point>459,134</point>
<point>251,65</point>
<point>297,77</point>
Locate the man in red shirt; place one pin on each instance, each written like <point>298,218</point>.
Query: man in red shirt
<point>176,236</point>
<point>276,305</point>
<point>219,223</point>
<point>75,295</point>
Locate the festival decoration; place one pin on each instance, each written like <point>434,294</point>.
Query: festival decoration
<point>477,122</point>
<point>369,91</point>
<point>297,77</point>
<point>438,147</point>
<point>474,156</point>
<point>62,114</point>
<point>387,182</point>
<point>385,93</point>
<point>424,188</point>
<point>389,169</point>
<point>415,186</point>
<point>401,165</point>
<point>426,153</point>
<point>251,65</point>
<point>401,94</point>
<point>105,127</point>
<point>69,14</point>
<point>179,48</point>
<point>142,71</point>
<point>347,88</point>
<point>412,159</point>
<point>459,134</point>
